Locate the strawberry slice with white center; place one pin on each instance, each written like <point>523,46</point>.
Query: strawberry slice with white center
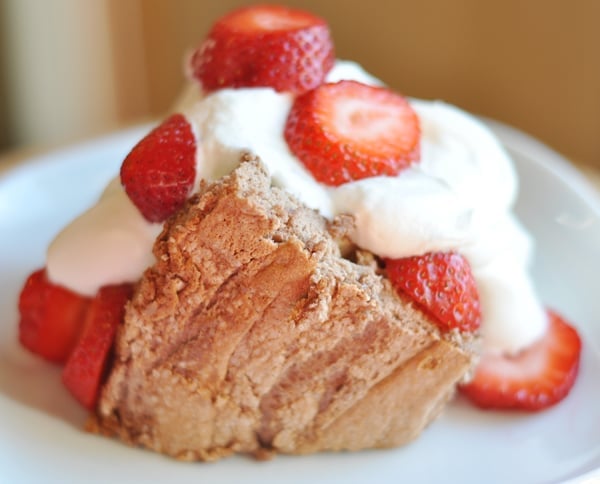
<point>158,174</point>
<point>84,371</point>
<point>347,131</point>
<point>51,317</point>
<point>534,379</point>
<point>265,45</point>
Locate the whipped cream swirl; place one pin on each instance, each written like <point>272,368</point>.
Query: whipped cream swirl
<point>459,197</point>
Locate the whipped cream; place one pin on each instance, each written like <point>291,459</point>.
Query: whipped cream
<point>458,197</point>
<point>111,243</point>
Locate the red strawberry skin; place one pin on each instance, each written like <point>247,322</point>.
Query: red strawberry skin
<point>158,174</point>
<point>84,370</point>
<point>51,317</point>
<point>347,131</point>
<point>537,378</point>
<point>442,284</point>
<point>266,45</point>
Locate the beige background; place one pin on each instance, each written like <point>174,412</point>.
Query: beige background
<point>534,64</point>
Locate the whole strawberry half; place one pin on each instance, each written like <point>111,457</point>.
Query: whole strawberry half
<point>442,284</point>
<point>534,379</point>
<point>51,317</point>
<point>158,174</point>
<point>265,45</point>
<point>347,131</point>
<point>84,370</point>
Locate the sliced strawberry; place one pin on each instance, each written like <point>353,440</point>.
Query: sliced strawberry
<point>84,370</point>
<point>536,378</point>
<point>266,45</point>
<point>158,174</point>
<point>442,284</point>
<point>51,317</point>
<point>347,131</point>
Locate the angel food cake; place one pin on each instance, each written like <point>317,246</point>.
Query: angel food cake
<point>299,259</point>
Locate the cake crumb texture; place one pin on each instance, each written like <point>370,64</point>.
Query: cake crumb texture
<point>251,334</point>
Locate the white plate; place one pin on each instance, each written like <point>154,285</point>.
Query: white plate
<point>40,429</point>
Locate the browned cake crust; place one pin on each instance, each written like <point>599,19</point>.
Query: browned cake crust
<point>252,334</point>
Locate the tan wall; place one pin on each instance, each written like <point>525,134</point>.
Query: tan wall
<point>70,69</point>
<point>4,127</point>
<point>532,63</point>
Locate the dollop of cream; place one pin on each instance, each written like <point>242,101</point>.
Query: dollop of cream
<point>458,197</point>
<point>111,243</point>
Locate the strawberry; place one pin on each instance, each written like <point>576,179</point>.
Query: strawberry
<point>84,370</point>
<point>442,284</point>
<point>50,317</point>
<point>266,45</point>
<point>347,131</point>
<point>158,174</point>
<point>536,378</point>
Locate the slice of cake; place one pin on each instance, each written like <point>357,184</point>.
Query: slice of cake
<point>252,333</point>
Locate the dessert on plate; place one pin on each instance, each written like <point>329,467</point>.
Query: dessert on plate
<point>269,339</point>
<point>299,259</point>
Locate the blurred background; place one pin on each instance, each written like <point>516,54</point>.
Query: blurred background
<point>72,69</point>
